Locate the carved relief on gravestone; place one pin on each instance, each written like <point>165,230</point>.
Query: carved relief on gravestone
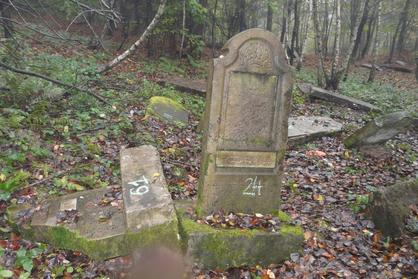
<point>245,125</point>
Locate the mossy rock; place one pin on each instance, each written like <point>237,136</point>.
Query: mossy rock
<point>168,109</point>
<point>390,206</point>
<point>224,248</point>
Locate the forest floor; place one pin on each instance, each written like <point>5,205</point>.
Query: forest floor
<point>54,142</point>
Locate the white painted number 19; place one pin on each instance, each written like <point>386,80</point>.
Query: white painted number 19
<point>254,187</point>
<point>141,187</point>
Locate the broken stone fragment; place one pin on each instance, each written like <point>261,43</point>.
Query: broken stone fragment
<point>91,223</point>
<point>389,207</point>
<point>168,110</point>
<point>145,193</point>
<point>382,129</point>
<point>303,128</point>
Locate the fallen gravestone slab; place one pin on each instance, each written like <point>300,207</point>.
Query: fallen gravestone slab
<point>390,206</point>
<point>319,93</point>
<point>382,129</point>
<point>399,68</point>
<point>195,86</point>
<point>168,109</point>
<point>306,128</point>
<point>213,248</point>
<point>84,222</point>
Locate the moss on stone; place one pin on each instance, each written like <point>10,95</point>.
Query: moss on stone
<point>101,249</point>
<point>283,216</point>
<point>223,248</point>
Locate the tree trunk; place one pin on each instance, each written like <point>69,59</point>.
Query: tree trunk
<point>305,34</point>
<point>325,28</point>
<point>363,22</point>
<point>404,20</point>
<point>132,49</point>
<point>369,38</point>
<point>295,34</point>
<point>284,22</point>
<point>241,15</point>
<point>392,47</point>
<point>183,29</point>
<point>320,67</point>
<point>269,25</point>
<point>213,27</point>
<point>332,82</point>
<point>375,46</point>
<point>355,24</point>
<point>6,14</point>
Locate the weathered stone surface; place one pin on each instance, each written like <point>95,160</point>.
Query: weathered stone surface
<point>319,93</point>
<point>382,129</point>
<point>147,218</point>
<point>245,125</point>
<point>194,86</point>
<point>389,206</point>
<point>305,128</point>
<point>213,248</point>
<point>168,109</point>
<point>145,193</point>
<point>99,239</point>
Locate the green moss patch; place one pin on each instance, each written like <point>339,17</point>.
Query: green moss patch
<point>217,248</point>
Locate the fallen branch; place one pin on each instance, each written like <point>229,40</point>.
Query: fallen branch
<point>129,51</point>
<point>60,83</point>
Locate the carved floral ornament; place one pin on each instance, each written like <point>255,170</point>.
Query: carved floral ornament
<point>256,55</point>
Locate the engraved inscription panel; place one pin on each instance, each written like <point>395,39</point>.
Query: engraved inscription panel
<point>249,112</point>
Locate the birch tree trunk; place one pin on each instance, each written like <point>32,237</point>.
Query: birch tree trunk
<point>129,51</point>
<point>183,31</point>
<point>318,40</point>
<point>375,46</point>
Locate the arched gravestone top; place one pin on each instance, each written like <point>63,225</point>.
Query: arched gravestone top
<point>245,125</point>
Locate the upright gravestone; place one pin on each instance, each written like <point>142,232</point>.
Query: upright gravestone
<point>245,125</point>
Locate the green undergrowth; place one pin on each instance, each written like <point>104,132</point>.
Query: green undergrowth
<point>385,96</point>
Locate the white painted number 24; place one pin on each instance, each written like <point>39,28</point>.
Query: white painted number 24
<point>141,187</point>
<point>253,188</point>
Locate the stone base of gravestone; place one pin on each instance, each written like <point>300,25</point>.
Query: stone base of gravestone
<point>213,248</point>
<point>306,128</point>
<point>104,231</point>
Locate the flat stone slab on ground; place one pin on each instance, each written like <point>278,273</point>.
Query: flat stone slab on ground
<point>195,86</point>
<point>305,128</point>
<point>223,248</point>
<point>319,93</point>
<point>147,217</point>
